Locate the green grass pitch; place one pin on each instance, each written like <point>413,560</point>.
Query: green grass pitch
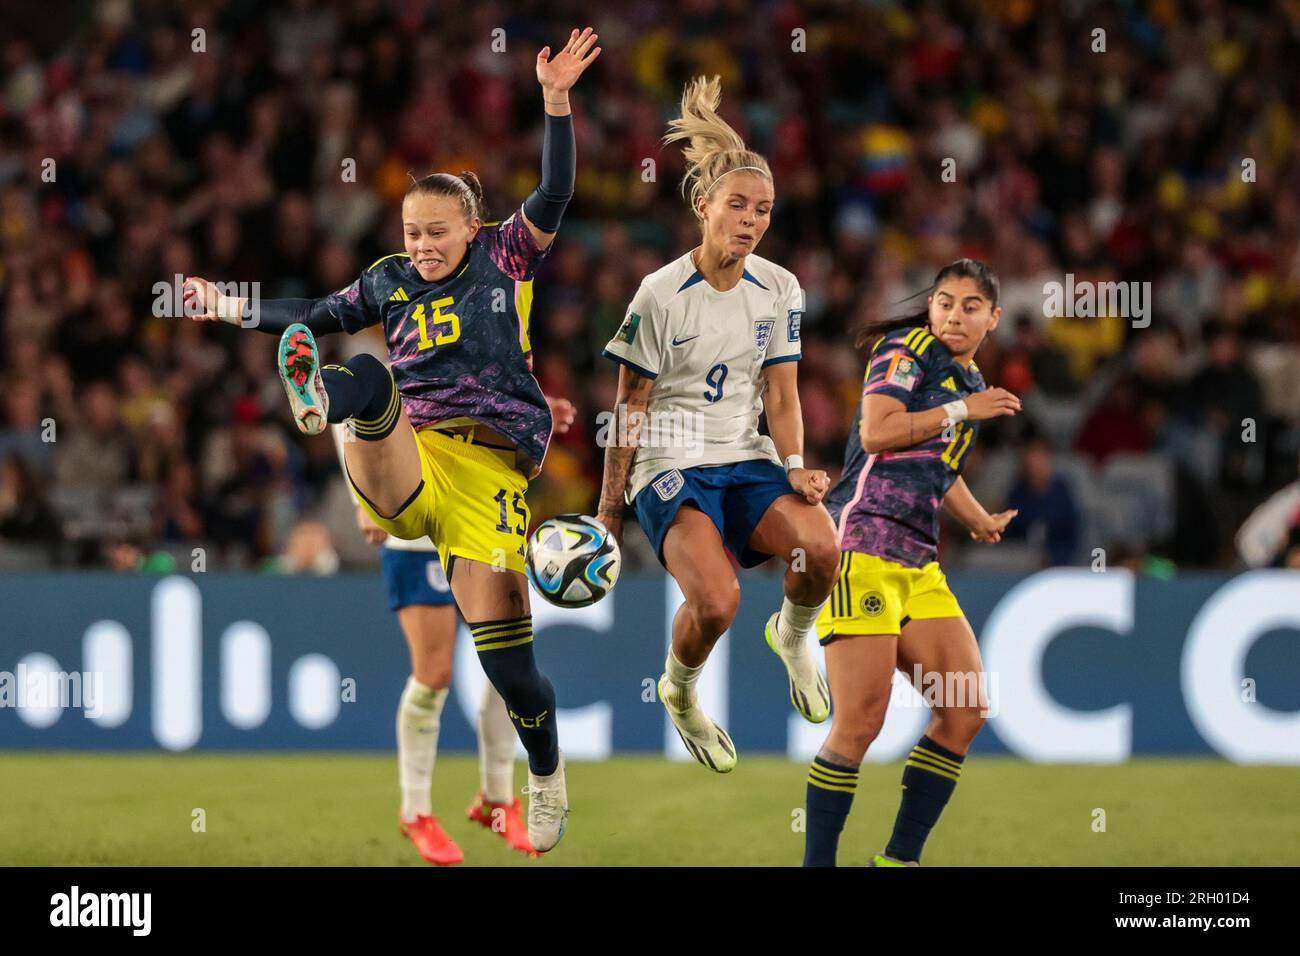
<point>341,809</point>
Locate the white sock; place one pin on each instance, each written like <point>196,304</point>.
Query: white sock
<point>794,622</point>
<point>497,740</point>
<point>418,721</point>
<point>681,681</point>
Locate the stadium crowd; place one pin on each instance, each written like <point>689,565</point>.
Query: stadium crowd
<point>154,140</point>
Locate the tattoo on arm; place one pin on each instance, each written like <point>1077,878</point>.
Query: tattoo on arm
<point>633,398</point>
<point>618,461</point>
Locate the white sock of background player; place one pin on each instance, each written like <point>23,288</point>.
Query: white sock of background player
<point>419,718</point>
<point>497,743</point>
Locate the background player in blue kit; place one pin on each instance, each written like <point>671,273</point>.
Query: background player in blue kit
<point>891,606</point>
<point>711,342</point>
<point>449,438</point>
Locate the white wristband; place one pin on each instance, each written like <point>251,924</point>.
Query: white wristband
<point>230,308</point>
<point>793,462</point>
<point>956,411</point>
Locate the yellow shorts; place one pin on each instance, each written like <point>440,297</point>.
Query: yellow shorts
<point>876,596</point>
<point>470,502</point>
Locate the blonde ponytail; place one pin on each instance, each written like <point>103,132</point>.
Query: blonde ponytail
<point>713,148</point>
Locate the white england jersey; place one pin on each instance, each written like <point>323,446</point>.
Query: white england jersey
<point>706,351</point>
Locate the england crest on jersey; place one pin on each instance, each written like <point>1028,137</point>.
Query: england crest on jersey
<point>763,333</point>
<point>668,484</point>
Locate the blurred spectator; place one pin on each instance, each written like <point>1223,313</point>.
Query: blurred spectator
<point>237,162</point>
<point>308,551</point>
<point>1048,516</point>
<point>1227,397</point>
<point>94,452</point>
<point>25,516</point>
<point>1116,424</point>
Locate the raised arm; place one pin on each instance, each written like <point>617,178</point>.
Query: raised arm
<point>545,205</point>
<point>634,395</point>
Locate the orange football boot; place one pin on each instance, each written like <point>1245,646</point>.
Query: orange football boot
<point>502,818</point>
<point>431,840</point>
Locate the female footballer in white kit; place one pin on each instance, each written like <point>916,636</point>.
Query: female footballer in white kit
<point>709,343</point>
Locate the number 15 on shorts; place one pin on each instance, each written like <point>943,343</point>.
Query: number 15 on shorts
<point>517,504</point>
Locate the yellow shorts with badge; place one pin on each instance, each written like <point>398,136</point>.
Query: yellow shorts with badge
<point>470,502</point>
<point>875,596</point>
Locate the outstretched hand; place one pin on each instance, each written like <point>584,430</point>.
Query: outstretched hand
<point>200,298</point>
<point>558,73</point>
<point>562,413</point>
<point>991,533</point>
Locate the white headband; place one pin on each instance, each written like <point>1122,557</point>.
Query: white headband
<point>737,169</point>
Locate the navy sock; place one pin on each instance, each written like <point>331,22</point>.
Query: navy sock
<point>830,796</point>
<point>929,778</point>
<point>363,390</point>
<point>505,649</point>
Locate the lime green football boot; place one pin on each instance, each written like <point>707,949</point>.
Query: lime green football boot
<point>809,692</point>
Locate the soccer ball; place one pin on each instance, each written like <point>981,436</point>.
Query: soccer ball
<point>573,560</point>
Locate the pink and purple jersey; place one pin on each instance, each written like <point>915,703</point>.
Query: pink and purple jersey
<point>888,504</point>
<point>459,347</point>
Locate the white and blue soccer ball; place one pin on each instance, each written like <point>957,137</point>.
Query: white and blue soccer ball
<point>573,560</point>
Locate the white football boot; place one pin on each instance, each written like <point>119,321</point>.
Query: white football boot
<point>705,741</point>
<point>548,808</point>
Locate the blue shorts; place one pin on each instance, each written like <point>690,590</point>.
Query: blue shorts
<point>735,497</point>
<point>413,577</point>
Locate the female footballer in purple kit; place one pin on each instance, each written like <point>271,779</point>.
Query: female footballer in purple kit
<point>891,607</point>
<point>448,440</point>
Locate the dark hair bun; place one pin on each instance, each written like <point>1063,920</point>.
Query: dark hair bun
<point>472,181</point>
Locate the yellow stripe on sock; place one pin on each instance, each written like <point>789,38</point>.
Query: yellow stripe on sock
<point>822,768</point>
<point>933,769</point>
<point>830,781</point>
<point>827,786</point>
<point>381,424</point>
<point>500,644</point>
<point>937,758</point>
<point>488,630</point>
<point>498,635</point>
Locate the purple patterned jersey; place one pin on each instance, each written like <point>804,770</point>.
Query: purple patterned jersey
<point>888,504</point>
<point>459,347</point>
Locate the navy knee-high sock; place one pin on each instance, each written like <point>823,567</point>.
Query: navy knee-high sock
<point>505,649</point>
<point>830,797</point>
<point>362,389</point>
<point>929,778</point>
